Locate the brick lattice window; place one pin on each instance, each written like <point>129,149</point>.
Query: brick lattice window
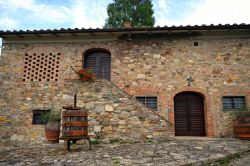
<point>41,67</point>
<point>233,102</point>
<point>150,102</point>
<point>38,117</point>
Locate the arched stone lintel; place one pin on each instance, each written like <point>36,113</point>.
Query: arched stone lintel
<point>209,120</point>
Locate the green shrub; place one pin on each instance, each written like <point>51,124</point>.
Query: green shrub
<point>95,141</point>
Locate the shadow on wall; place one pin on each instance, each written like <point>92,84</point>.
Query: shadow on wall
<point>1,46</point>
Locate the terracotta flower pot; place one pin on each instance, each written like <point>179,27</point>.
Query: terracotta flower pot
<point>52,132</point>
<point>52,135</point>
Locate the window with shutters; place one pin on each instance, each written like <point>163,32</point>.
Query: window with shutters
<point>233,102</point>
<point>100,63</point>
<point>150,102</point>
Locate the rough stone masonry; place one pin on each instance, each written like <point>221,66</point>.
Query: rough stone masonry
<point>36,74</point>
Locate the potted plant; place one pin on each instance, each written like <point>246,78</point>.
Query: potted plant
<point>52,127</point>
<point>86,74</point>
<point>241,124</point>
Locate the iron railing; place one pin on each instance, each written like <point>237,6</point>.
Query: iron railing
<point>142,107</point>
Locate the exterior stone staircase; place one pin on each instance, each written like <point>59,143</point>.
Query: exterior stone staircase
<point>139,105</point>
<point>114,114</point>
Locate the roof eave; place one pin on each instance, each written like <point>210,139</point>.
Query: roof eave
<point>127,30</point>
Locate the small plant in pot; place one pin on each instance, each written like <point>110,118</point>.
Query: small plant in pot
<point>86,74</point>
<point>52,127</point>
<point>241,124</point>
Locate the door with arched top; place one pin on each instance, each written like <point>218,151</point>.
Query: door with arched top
<point>100,63</point>
<point>189,114</point>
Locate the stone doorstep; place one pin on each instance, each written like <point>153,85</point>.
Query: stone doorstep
<point>216,159</point>
<point>193,138</point>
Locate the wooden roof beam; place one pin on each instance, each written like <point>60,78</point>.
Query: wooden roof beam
<point>37,35</point>
<point>92,34</point>
<point>149,32</point>
<point>129,36</point>
<point>54,34</point>
<point>111,33</point>
<point>21,36</point>
<point>73,34</point>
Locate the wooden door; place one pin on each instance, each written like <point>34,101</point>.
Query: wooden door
<point>189,114</point>
<point>100,63</point>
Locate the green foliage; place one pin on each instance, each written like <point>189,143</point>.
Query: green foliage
<point>86,74</point>
<point>242,111</point>
<point>95,141</point>
<point>149,140</point>
<point>116,160</point>
<point>224,160</point>
<point>245,109</point>
<point>112,141</point>
<point>138,12</point>
<point>52,116</point>
<point>141,118</point>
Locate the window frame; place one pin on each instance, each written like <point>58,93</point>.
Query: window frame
<point>39,113</point>
<point>232,100</point>
<point>99,55</point>
<point>146,101</point>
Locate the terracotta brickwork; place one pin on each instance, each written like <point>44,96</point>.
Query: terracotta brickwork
<point>209,120</point>
<point>41,67</point>
<point>218,66</point>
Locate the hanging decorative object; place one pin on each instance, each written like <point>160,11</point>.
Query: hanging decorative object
<point>86,74</point>
<point>189,79</point>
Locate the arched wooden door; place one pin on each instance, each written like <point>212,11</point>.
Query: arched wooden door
<point>100,63</point>
<point>189,114</point>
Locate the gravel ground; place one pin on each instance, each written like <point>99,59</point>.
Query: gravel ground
<point>167,153</point>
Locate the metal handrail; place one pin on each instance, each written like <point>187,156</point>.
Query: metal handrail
<point>132,98</point>
<point>139,104</point>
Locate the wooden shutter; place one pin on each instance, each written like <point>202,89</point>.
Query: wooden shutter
<point>100,63</point>
<point>189,115</point>
<point>105,66</point>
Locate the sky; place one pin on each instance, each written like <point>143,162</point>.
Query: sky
<point>51,14</point>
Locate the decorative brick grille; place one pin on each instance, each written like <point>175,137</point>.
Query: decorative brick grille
<point>41,67</point>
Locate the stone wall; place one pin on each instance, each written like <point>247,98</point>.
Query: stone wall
<point>139,67</point>
<point>112,113</point>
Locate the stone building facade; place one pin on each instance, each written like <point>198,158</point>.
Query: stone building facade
<point>36,74</point>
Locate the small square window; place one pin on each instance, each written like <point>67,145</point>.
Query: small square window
<point>150,102</point>
<point>38,117</point>
<point>233,102</point>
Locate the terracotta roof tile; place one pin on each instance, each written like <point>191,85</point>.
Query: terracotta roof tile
<point>90,30</point>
